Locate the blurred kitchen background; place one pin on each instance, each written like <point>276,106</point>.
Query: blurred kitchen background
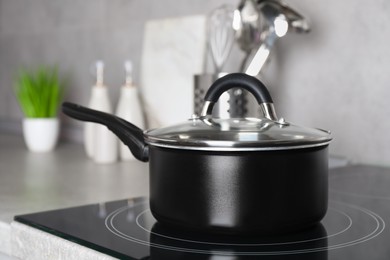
<point>336,77</point>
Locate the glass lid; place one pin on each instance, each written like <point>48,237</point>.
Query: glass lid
<point>207,133</point>
<point>236,134</point>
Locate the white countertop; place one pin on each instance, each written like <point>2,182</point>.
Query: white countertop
<point>33,182</point>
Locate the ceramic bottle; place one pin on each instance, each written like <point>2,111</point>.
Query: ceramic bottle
<point>100,143</point>
<point>129,108</point>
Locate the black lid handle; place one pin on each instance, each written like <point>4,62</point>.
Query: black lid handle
<point>244,81</point>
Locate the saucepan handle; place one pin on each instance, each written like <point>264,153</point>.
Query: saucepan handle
<point>244,81</point>
<point>128,133</point>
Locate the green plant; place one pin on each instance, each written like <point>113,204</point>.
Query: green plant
<point>39,92</point>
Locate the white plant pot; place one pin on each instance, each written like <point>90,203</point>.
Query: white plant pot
<point>41,134</point>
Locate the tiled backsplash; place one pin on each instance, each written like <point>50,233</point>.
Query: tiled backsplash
<point>336,77</point>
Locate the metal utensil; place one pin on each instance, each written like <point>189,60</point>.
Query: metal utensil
<point>279,18</point>
<point>296,21</point>
<point>276,30</point>
<point>221,35</point>
<point>248,26</point>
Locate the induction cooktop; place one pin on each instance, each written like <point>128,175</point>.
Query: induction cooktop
<point>353,228</point>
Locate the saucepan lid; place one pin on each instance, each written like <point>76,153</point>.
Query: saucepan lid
<point>204,132</point>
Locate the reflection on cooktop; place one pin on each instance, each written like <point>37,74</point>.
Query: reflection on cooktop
<point>353,228</point>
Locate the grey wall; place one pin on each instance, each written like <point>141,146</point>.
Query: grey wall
<point>337,77</point>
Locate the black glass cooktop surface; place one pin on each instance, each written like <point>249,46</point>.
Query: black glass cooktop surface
<point>353,228</point>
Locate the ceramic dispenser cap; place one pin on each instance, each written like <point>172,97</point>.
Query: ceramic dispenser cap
<point>99,73</point>
<point>129,73</point>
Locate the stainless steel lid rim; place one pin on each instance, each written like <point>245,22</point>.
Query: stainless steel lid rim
<point>188,135</point>
<point>235,149</point>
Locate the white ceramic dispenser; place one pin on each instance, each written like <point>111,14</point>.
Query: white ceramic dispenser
<point>100,144</point>
<point>129,108</point>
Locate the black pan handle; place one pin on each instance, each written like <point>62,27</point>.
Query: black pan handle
<point>239,80</point>
<point>128,133</point>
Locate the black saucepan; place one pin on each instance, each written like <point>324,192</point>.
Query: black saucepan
<point>236,176</point>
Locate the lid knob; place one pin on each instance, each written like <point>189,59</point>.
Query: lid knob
<point>240,80</point>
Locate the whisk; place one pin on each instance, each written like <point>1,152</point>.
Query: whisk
<point>220,35</point>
